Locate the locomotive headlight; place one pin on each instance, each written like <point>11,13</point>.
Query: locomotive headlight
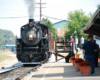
<point>30,37</point>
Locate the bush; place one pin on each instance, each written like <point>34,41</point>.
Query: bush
<point>85,63</point>
<point>99,55</point>
<point>78,60</point>
<point>72,58</point>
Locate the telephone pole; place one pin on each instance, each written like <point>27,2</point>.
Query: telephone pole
<point>75,32</point>
<point>40,11</point>
<point>40,8</point>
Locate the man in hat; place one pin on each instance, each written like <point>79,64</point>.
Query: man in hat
<point>89,47</point>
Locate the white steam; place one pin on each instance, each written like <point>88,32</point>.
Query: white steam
<point>31,8</point>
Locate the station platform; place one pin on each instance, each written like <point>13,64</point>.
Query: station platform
<point>62,71</point>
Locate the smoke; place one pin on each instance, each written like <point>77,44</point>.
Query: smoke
<point>31,8</point>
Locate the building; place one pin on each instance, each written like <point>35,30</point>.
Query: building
<point>12,47</point>
<point>60,27</point>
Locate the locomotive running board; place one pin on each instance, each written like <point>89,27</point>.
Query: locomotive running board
<point>30,47</point>
<point>31,64</point>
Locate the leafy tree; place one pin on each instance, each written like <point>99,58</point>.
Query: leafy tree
<point>6,37</point>
<point>50,26</point>
<point>98,5</point>
<point>76,19</point>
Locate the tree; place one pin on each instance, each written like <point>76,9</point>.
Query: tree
<point>76,19</point>
<point>98,5</point>
<point>50,26</point>
<point>6,37</point>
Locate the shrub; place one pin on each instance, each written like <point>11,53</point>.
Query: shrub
<point>85,63</point>
<point>78,60</point>
<point>72,58</point>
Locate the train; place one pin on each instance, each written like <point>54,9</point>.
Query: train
<point>36,43</point>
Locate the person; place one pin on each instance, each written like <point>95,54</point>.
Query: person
<point>76,42</point>
<point>89,47</point>
<point>57,39</point>
<point>64,43</point>
<point>82,41</point>
<point>71,40</point>
<point>77,52</point>
<point>96,54</point>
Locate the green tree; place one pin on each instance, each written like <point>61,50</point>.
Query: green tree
<point>98,5</point>
<point>76,19</point>
<point>6,37</point>
<point>50,26</point>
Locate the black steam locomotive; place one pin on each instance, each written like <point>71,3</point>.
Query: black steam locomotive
<point>34,44</point>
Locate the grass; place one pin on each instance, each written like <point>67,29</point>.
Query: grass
<point>3,51</point>
<point>3,57</point>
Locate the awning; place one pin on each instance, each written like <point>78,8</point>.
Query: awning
<point>93,26</point>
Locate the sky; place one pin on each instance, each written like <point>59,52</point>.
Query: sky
<point>14,14</point>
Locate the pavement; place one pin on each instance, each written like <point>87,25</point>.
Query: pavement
<point>62,71</point>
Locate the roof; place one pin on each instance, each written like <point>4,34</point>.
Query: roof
<point>60,24</point>
<point>10,45</point>
<point>93,26</point>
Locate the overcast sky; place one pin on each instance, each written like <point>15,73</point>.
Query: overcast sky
<point>13,13</point>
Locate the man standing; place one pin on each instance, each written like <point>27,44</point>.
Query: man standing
<point>82,41</point>
<point>71,40</point>
<point>96,54</point>
<point>89,47</point>
<point>76,42</point>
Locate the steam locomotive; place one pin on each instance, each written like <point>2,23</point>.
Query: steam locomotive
<point>35,44</point>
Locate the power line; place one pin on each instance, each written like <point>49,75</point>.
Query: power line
<point>16,17</point>
<point>53,17</point>
<point>27,17</point>
<point>55,13</point>
<point>10,10</point>
<point>36,7</point>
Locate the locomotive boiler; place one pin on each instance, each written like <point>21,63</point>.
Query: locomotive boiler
<point>35,44</point>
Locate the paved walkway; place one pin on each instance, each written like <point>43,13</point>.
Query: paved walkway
<point>62,71</point>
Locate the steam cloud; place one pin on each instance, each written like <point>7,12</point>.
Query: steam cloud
<point>31,8</point>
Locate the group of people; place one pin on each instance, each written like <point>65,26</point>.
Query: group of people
<point>90,50</point>
<point>76,41</point>
<point>77,49</point>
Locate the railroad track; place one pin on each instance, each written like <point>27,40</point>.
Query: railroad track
<point>26,71</point>
<point>18,73</point>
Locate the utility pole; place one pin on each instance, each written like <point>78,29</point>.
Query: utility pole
<point>40,8</point>
<point>40,11</point>
<point>75,32</point>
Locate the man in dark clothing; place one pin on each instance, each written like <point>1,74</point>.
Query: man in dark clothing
<point>89,48</point>
<point>96,54</point>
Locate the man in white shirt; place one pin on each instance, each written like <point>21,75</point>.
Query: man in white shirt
<point>82,41</point>
<point>76,42</point>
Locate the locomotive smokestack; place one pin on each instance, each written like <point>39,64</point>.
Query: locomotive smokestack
<point>31,21</point>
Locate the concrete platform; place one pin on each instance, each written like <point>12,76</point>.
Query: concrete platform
<point>62,71</point>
